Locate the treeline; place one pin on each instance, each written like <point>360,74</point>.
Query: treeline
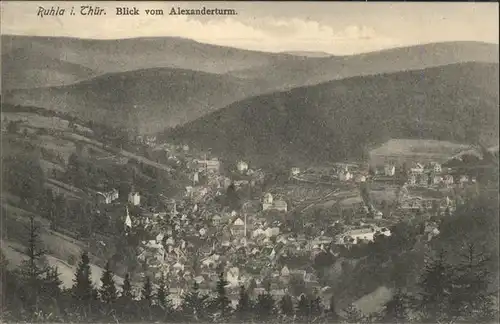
<point>448,292</point>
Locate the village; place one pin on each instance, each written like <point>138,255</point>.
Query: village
<point>227,218</point>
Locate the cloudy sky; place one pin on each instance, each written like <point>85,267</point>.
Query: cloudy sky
<point>335,27</point>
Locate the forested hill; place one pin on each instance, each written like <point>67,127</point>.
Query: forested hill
<point>341,119</point>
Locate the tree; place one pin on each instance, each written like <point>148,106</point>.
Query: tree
<point>471,299</point>
<point>303,307</point>
<point>436,289</point>
<point>396,309</point>
<point>147,291</point>
<point>34,273</point>
<point>127,287</point>
<point>315,307</point>
<point>82,284</point>
<point>232,198</point>
<point>332,311</point>
<point>244,308</point>
<point>286,305</point>
<point>353,315</point>
<point>108,289</point>
<point>194,304</point>
<point>265,306</point>
<point>222,302</point>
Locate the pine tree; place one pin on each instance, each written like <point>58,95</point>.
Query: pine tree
<point>127,288</point>
<point>194,304</point>
<point>303,307</point>
<point>264,308</point>
<point>286,305</point>
<point>161,293</point>
<point>222,302</point>
<point>108,289</point>
<point>396,309</point>
<point>315,307</point>
<point>332,311</point>
<point>147,290</point>
<point>82,284</point>
<point>353,315</point>
<point>471,299</point>
<point>33,271</point>
<point>244,308</point>
<point>436,290</point>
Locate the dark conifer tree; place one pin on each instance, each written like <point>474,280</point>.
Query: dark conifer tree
<point>82,284</point>
<point>332,310</point>
<point>436,290</point>
<point>315,307</point>
<point>303,307</point>
<point>194,304</point>
<point>244,308</point>
<point>127,288</point>
<point>147,291</point>
<point>222,302</point>
<point>33,271</point>
<point>264,308</point>
<point>396,309</point>
<point>108,291</point>
<point>286,305</point>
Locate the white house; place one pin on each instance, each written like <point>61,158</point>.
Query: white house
<point>295,171</point>
<point>108,197</point>
<point>238,227</point>
<point>345,175</point>
<point>280,205</point>
<point>436,167</point>
<point>267,202</point>
<point>242,166</point>
<point>417,169</point>
<point>363,235</point>
<point>233,276</point>
<point>389,170</point>
<point>134,198</point>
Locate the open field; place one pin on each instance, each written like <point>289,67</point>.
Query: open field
<point>399,151</point>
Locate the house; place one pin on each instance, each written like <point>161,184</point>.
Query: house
<point>362,235</point>
<point>345,175</point>
<point>267,202</point>
<point>280,205</point>
<point>134,198</point>
<point>242,166</point>
<point>448,180</point>
<point>285,272</point>
<point>412,179</point>
<point>272,231</point>
<point>196,178</point>
<point>360,178</point>
<point>238,227</point>
<point>216,220</point>
<point>435,167</point>
<point>233,276</point>
<point>212,165</point>
<point>150,140</point>
<point>389,170</point>
<point>107,197</point>
<point>417,168</point>
<point>295,171</point>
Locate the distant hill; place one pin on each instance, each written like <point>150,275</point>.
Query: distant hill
<point>110,56</point>
<point>57,61</point>
<point>343,119</point>
<point>162,97</point>
<point>296,71</point>
<point>308,53</point>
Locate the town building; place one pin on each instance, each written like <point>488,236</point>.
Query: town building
<point>212,165</point>
<point>389,170</point>
<point>107,197</point>
<point>242,166</point>
<point>134,198</point>
<point>295,171</point>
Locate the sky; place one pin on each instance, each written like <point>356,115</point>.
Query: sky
<point>339,28</point>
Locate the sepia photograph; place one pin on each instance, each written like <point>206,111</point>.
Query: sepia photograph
<point>249,162</point>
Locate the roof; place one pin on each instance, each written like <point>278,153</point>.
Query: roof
<point>238,222</point>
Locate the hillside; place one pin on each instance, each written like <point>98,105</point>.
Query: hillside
<point>342,119</point>
<point>163,97</point>
<point>111,56</point>
<point>57,61</point>
<point>296,71</point>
